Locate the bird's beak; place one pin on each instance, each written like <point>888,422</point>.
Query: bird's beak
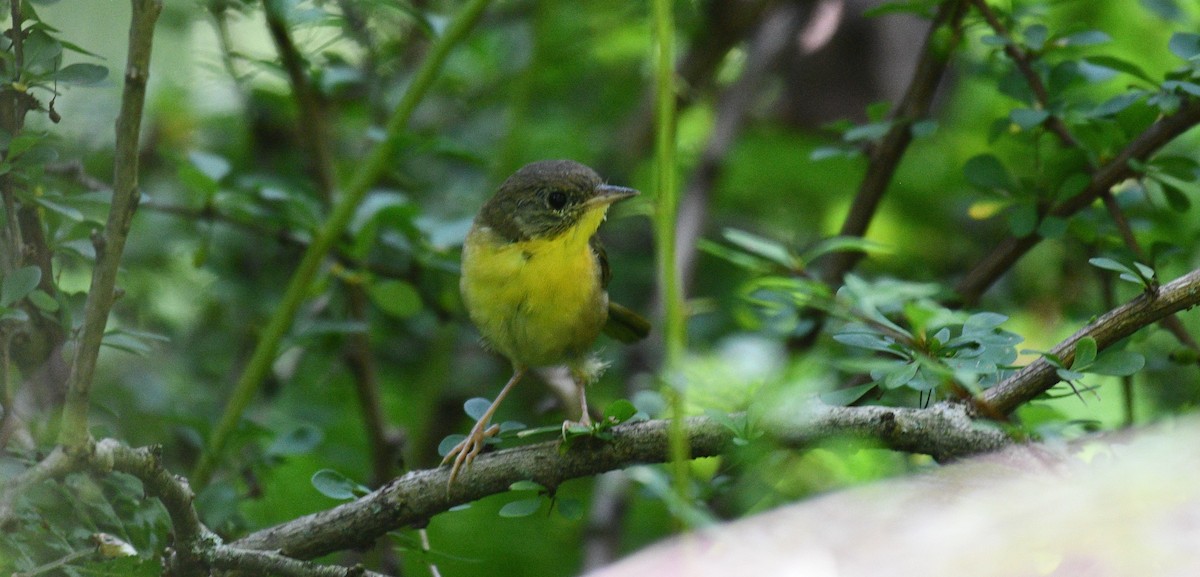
<point>607,194</point>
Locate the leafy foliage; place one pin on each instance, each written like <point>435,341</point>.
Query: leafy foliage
<point>1045,99</point>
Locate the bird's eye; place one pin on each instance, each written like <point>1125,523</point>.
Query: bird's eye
<point>557,200</point>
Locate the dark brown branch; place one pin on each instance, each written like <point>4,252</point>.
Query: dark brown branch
<point>1010,249</point>
<point>945,431</point>
<point>313,129</point>
<point>885,157</point>
<point>1148,308</point>
<point>359,360</point>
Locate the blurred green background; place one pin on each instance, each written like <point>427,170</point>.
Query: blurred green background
<point>230,200</point>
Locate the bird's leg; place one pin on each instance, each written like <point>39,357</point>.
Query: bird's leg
<point>581,385</point>
<point>466,450</point>
<point>580,378</point>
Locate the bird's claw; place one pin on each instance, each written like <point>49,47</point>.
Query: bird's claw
<point>467,449</point>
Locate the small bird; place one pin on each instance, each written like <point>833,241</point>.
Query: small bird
<point>534,279</point>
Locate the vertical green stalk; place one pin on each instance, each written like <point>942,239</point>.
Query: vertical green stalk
<point>297,290</point>
<point>665,216</point>
<point>109,247</point>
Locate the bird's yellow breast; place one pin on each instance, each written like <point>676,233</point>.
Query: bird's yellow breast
<point>539,302</point>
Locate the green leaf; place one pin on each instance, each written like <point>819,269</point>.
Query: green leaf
<point>521,508</point>
<point>15,315</point>
<point>1116,104</point>
<point>901,376</point>
<point>570,509</point>
<point>1118,363</point>
<point>397,298</point>
<point>1121,65</point>
<point>843,244</point>
<point>41,49</point>
<point>1176,199</point>
<point>1185,45</point>
<point>526,485</point>
<point>1052,227</point>
<point>335,485</point>
<point>1085,353</point>
<point>1165,9</point>
<point>846,396</point>
<point>80,74</point>
<point>476,407</point>
<point>1110,264</point>
<point>1035,36</point>
<point>771,250</point>
<point>70,212</point>
<point>1023,219</point>
<point>986,172</point>
<point>1182,86</point>
<point>868,341</point>
<point>448,443</point>
<point>867,132</point>
<point>827,152</point>
<point>984,321</point>
<point>1028,118</point>
<point>1144,271</point>
<point>19,283</point>
<point>297,441</point>
<point>1073,184</point>
<point>388,206</point>
<point>734,256</point>
<point>923,128</point>
<point>136,342</point>
<point>43,301</point>
<point>213,166</point>
<point>619,411</point>
<point>1086,38</point>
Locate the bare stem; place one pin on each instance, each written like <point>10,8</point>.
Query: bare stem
<point>111,244</point>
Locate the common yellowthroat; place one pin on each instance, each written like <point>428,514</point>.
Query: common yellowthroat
<point>534,279</point>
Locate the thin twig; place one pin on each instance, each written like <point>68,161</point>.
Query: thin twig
<point>313,129</point>
<point>359,360</point>
<point>1024,65</point>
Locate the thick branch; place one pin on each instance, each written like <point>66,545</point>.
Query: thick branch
<point>944,431</point>
<point>110,246</point>
<point>885,157</point>
<point>266,563</point>
<point>1148,308</point>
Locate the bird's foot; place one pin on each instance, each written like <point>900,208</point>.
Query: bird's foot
<point>585,422</point>
<point>467,449</point>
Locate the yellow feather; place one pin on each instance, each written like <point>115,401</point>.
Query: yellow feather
<point>538,302</point>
